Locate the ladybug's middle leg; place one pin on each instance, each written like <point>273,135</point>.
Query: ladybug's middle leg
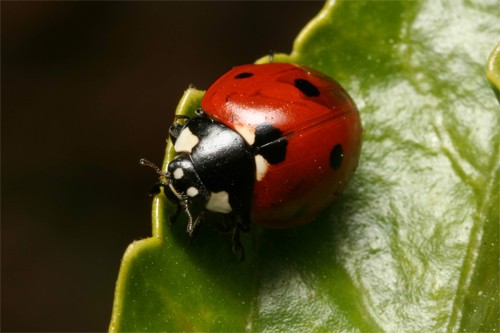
<point>175,129</point>
<point>244,221</point>
<point>231,224</point>
<point>224,224</point>
<point>237,246</point>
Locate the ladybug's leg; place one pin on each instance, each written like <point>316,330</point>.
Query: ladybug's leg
<point>231,225</point>
<point>190,225</point>
<point>237,247</point>
<point>193,230</point>
<point>225,224</point>
<point>175,129</point>
<point>244,222</point>
<point>175,215</point>
<point>201,113</point>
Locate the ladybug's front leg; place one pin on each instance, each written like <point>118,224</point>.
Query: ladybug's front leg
<point>192,225</point>
<point>242,224</point>
<point>185,205</point>
<point>192,229</point>
<point>175,215</point>
<point>175,129</point>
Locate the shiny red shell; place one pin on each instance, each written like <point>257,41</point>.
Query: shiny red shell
<point>294,191</point>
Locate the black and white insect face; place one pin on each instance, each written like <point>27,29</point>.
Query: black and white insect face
<point>214,164</point>
<point>184,182</point>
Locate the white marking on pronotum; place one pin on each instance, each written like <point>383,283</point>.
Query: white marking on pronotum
<point>261,166</point>
<point>178,173</point>
<point>186,141</point>
<point>192,191</point>
<point>247,132</point>
<point>219,202</point>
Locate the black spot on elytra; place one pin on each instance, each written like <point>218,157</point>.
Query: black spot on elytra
<point>336,156</point>
<point>270,143</point>
<point>306,87</point>
<point>243,75</point>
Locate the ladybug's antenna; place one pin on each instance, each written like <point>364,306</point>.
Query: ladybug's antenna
<point>150,164</point>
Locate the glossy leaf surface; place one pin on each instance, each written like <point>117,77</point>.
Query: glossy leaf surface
<point>411,246</point>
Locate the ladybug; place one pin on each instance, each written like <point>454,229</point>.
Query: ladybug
<point>272,144</point>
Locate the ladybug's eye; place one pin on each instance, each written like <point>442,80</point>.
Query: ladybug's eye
<point>243,75</point>
<point>306,87</point>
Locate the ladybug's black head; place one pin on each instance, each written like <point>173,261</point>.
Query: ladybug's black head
<point>180,182</point>
<point>183,181</point>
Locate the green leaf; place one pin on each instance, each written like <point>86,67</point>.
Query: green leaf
<point>493,70</point>
<point>411,246</point>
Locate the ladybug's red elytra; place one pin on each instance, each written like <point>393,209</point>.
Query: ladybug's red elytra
<point>273,144</point>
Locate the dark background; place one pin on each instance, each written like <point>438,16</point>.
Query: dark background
<point>88,88</point>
